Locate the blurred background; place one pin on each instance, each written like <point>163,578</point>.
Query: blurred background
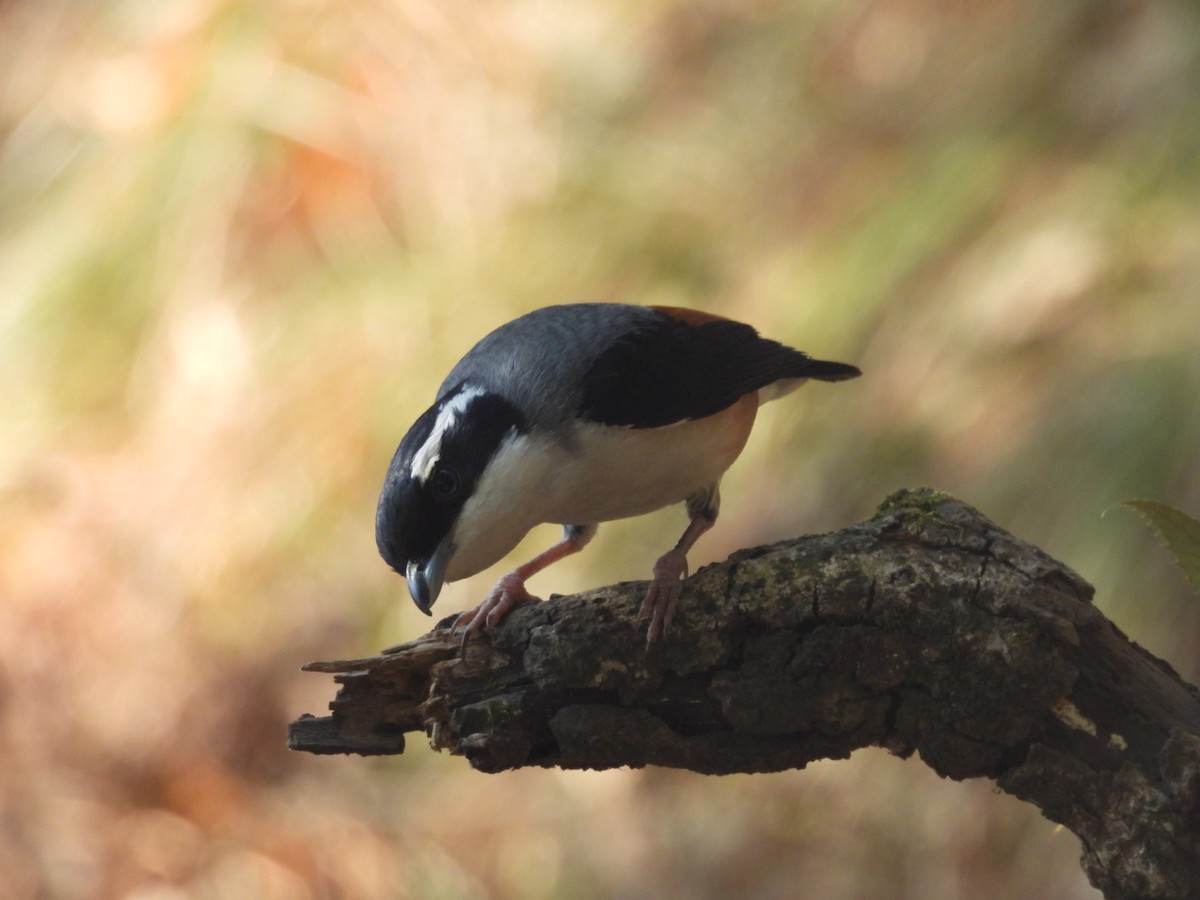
<point>242,242</point>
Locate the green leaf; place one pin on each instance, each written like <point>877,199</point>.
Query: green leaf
<point>1179,531</point>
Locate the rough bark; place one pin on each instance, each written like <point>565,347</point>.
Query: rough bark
<point>926,629</point>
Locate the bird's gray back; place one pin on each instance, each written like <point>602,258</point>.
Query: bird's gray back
<point>540,359</point>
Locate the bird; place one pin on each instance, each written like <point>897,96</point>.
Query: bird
<point>574,415</point>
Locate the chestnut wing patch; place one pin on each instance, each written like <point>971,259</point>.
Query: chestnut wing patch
<point>671,369</point>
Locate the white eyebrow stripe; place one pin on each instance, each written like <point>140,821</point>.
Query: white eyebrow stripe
<point>426,458</point>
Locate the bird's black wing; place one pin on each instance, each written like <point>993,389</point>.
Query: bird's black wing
<point>682,365</point>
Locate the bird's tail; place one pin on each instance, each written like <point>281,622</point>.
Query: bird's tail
<point>820,369</point>
<point>825,370</point>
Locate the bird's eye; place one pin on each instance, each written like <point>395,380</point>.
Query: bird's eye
<point>444,483</point>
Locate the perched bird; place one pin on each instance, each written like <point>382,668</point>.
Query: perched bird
<point>576,415</point>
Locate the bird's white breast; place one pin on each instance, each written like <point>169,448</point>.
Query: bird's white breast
<point>596,474</point>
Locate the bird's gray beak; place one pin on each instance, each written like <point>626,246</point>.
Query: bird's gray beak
<point>425,578</point>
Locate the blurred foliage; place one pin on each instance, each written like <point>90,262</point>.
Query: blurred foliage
<point>241,242</point>
<point>1179,532</point>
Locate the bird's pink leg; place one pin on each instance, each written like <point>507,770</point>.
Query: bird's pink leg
<point>509,592</point>
<point>662,597</point>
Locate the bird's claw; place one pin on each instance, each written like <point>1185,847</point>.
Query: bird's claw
<point>662,595</point>
<point>507,595</point>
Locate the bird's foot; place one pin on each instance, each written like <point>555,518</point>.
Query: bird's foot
<point>507,595</point>
<point>662,597</point>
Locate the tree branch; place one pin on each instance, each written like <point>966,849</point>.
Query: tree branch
<point>925,629</point>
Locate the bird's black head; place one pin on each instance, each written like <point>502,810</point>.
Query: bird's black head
<point>432,475</point>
